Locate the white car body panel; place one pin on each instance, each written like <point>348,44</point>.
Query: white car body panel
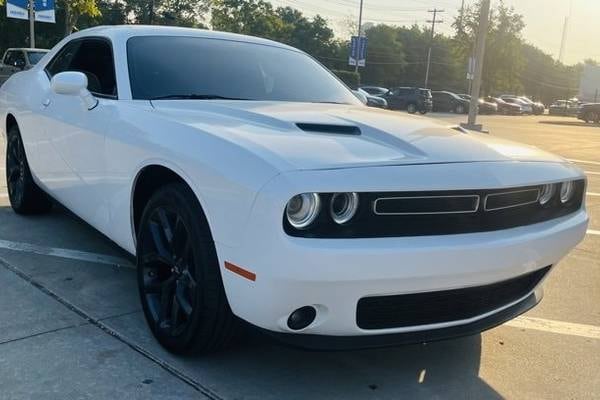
<point>245,160</point>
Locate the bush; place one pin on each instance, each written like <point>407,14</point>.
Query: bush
<point>350,78</point>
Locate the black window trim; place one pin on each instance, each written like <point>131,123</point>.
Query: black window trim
<point>112,53</point>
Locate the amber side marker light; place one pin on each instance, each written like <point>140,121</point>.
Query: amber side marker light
<point>240,271</point>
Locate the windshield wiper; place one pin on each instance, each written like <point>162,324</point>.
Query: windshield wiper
<point>193,96</point>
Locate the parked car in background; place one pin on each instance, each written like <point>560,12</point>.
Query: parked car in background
<point>444,101</point>
<point>537,108</point>
<point>589,113</point>
<point>565,108</point>
<point>505,108</point>
<point>485,107</point>
<point>373,101</point>
<point>375,90</point>
<point>15,60</point>
<point>411,99</point>
<point>526,108</point>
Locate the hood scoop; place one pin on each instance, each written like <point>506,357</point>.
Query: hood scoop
<point>330,129</point>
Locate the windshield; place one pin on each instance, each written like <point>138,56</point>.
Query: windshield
<point>203,68</point>
<point>35,56</point>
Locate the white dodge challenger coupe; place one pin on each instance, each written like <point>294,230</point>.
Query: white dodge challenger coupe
<point>251,184</point>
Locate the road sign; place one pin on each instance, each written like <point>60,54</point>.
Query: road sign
<point>44,10</point>
<point>358,51</point>
<point>471,69</point>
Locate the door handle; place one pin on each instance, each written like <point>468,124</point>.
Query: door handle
<point>46,102</point>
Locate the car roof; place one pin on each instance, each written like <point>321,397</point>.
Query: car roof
<point>124,32</point>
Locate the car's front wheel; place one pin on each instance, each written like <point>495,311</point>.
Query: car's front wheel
<point>411,108</point>
<point>24,194</point>
<point>179,280</point>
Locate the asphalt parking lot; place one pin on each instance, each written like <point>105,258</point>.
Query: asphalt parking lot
<point>71,325</point>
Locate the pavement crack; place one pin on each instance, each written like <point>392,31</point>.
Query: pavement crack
<point>33,335</point>
<point>182,376</point>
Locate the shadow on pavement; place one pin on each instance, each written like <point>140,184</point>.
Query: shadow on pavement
<point>262,368</point>
<point>570,123</point>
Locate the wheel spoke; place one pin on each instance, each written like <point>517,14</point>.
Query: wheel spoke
<point>183,303</point>
<point>159,243</point>
<point>160,286</point>
<point>154,258</point>
<point>165,225</point>
<point>166,298</point>
<point>174,312</point>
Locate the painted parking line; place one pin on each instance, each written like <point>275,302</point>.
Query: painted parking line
<point>66,253</point>
<point>583,161</point>
<point>592,194</point>
<point>559,327</point>
<point>3,195</point>
<point>591,173</point>
<point>593,232</point>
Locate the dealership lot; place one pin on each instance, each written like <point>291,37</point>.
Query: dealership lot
<point>71,325</point>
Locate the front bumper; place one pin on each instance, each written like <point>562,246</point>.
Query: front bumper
<point>332,275</point>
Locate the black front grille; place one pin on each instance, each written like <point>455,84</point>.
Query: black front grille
<point>400,214</point>
<point>384,312</point>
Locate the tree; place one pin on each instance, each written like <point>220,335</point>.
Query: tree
<point>314,37</point>
<point>503,62</point>
<point>167,12</point>
<point>385,64</point>
<point>75,9</point>
<point>250,17</point>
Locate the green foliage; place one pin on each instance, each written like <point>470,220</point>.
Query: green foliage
<point>350,78</point>
<point>167,12</point>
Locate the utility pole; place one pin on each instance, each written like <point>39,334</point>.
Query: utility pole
<point>563,42</point>
<point>479,57</point>
<point>360,15</point>
<point>32,24</point>
<point>435,12</point>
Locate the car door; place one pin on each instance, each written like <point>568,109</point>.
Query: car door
<point>75,146</point>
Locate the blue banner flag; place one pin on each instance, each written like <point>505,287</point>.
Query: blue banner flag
<point>358,51</point>
<point>44,10</point>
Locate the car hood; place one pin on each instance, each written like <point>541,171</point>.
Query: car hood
<point>323,136</point>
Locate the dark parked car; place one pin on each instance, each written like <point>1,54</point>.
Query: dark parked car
<point>444,101</point>
<point>409,98</point>
<point>375,90</point>
<point>373,101</point>
<point>15,60</point>
<point>485,107</point>
<point>590,113</point>
<point>504,108</point>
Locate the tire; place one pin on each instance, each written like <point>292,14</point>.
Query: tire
<point>422,111</point>
<point>24,194</point>
<point>179,278</point>
<point>460,109</point>
<point>411,108</point>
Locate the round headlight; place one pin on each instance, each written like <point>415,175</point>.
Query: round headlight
<point>343,207</point>
<point>566,191</point>
<point>303,209</point>
<point>546,194</point>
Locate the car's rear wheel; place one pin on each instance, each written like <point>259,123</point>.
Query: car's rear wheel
<point>423,111</point>
<point>24,194</point>
<point>179,280</point>
<point>411,108</point>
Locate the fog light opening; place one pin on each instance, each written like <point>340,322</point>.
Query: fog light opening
<point>301,318</point>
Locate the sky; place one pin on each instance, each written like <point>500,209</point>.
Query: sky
<point>544,19</point>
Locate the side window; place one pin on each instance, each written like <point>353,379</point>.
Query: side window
<point>20,57</point>
<point>94,58</point>
<point>8,58</point>
<point>62,60</point>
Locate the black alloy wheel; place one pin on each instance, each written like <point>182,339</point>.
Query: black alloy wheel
<point>179,280</point>
<point>24,194</point>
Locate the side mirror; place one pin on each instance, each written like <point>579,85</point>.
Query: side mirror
<point>20,64</point>
<point>73,83</point>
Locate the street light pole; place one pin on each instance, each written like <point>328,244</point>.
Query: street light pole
<point>479,56</point>
<point>360,15</point>
<point>32,24</point>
